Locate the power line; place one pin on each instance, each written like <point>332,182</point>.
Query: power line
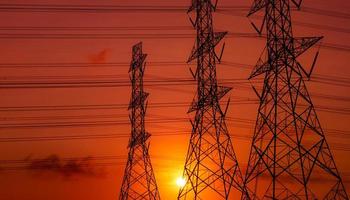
<point>93,28</point>
<point>126,64</point>
<point>329,78</point>
<point>148,28</point>
<point>115,83</point>
<point>335,145</point>
<point>153,118</point>
<point>142,8</point>
<point>144,36</point>
<point>111,35</point>
<point>124,135</point>
<point>340,110</point>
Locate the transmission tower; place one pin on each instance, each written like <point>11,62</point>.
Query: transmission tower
<point>211,168</point>
<point>139,181</point>
<point>289,157</point>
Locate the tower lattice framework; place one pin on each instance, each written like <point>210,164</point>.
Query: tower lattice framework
<point>211,169</point>
<point>290,157</point>
<point>139,181</point>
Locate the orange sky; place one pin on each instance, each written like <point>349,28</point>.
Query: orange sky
<point>101,177</point>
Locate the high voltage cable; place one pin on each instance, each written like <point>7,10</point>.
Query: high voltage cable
<point>144,36</point>
<point>241,100</point>
<point>63,65</point>
<point>92,28</point>
<point>113,78</point>
<point>338,146</point>
<point>142,8</point>
<point>327,77</point>
<point>146,28</point>
<point>102,8</point>
<point>155,118</point>
<point>340,110</point>
<point>115,35</point>
<point>344,110</point>
<point>123,106</point>
<point>82,123</point>
<point>87,123</point>
<point>126,64</point>
<point>318,77</point>
<point>89,84</point>
<point>115,83</point>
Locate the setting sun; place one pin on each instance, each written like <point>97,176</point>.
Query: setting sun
<point>180,182</point>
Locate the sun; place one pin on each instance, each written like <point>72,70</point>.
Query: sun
<point>180,182</point>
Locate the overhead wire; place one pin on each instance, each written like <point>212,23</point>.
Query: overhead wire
<point>104,8</point>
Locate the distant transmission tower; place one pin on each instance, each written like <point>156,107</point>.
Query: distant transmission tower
<point>139,181</point>
<point>211,170</point>
<point>290,157</point>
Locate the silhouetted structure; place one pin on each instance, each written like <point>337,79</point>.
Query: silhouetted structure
<point>290,157</point>
<point>139,181</point>
<point>211,168</point>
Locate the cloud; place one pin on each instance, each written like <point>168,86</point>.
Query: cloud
<point>66,167</point>
<point>100,57</point>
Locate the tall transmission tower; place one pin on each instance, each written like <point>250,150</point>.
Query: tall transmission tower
<point>139,181</point>
<point>289,157</point>
<point>211,169</point>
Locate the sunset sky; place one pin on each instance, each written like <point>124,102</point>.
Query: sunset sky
<point>64,88</point>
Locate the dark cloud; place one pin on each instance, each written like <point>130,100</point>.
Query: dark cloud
<point>65,167</point>
<point>100,57</point>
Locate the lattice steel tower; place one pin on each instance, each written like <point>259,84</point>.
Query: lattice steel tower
<point>290,157</point>
<point>211,168</point>
<point>139,181</point>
